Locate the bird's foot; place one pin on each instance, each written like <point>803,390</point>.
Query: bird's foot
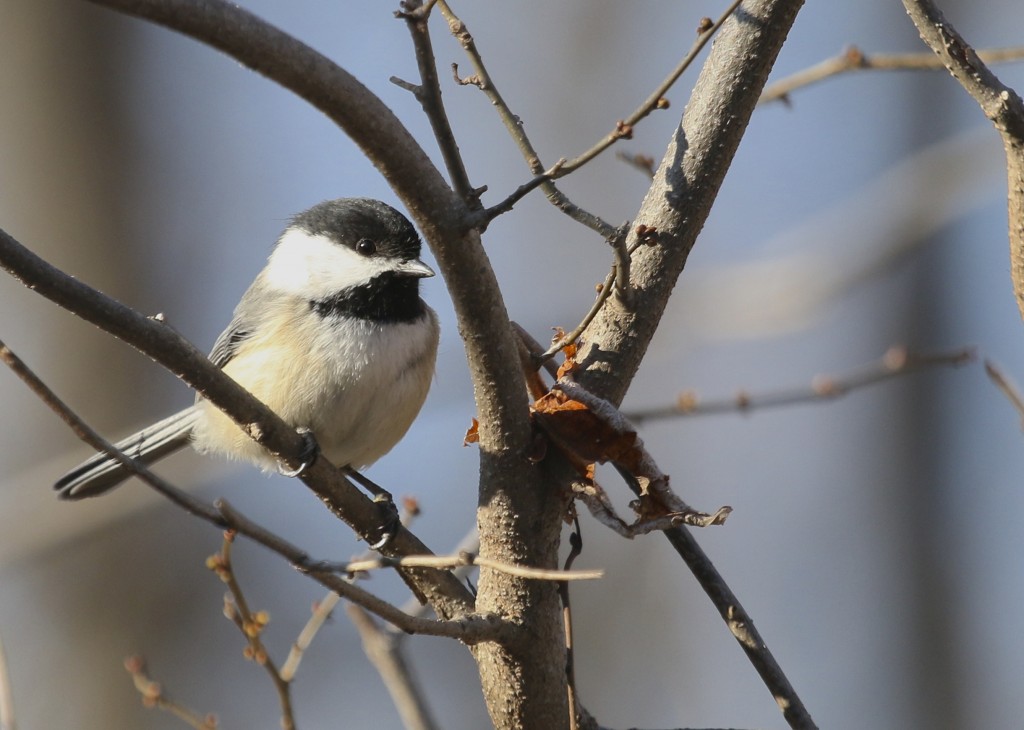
<point>310,450</point>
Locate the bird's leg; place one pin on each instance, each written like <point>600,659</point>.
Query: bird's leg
<point>390,521</point>
<point>379,493</point>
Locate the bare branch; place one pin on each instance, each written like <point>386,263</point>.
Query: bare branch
<point>623,128</point>
<point>384,652</point>
<point>685,186</point>
<point>604,290</point>
<point>322,611</point>
<point>854,59</point>
<point>742,628</point>
<point>619,443</point>
<point>542,178</point>
<point>674,209</point>
<point>1000,104</point>
<point>576,547</point>
<point>1007,386</point>
<point>428,93</point>
<point>324,85</point>
<point>469,629</point>
<point>251,624</point>
<point>447,562</point>
<point>896,362</point>
<point>153,696</point>
<point>656,100</point>
<point>7,721</point>
<point>81,429</point>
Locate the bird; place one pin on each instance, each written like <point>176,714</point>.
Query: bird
<point>332,335</point>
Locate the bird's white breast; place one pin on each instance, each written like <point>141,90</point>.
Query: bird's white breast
<point>356,384</point>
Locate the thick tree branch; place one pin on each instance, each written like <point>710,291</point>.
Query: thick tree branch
<point>1001,104</point>
<point>673,213</point>
<point>684,189</point>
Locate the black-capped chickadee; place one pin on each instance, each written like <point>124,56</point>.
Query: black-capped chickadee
<point>332,336</point>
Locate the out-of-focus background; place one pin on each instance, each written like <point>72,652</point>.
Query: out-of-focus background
<point>876,539</point>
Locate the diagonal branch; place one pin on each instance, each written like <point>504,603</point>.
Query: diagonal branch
<point>469,628</point>
<point>152,337</point>
<point>673,213</point>
<point>1001,104</point>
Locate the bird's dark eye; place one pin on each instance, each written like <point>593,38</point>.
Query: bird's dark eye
<point>366,247</point>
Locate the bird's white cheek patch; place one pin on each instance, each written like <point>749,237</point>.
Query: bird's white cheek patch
<point>313,266</point>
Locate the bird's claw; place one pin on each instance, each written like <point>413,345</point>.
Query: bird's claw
<point>389,525</point>
<point>310,450</point>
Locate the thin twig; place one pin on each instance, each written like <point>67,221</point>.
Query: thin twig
<point>154,697</point>
<point>428,93</point>
<point>1007,386</point>
<point>619,275</point>
<point>251,624</point>
<point>604,291</point>
<point>617,442</point>
<point>896,362</point>
<point>542,178</point>
<point>7,721</point>
<point>384,652</point>
<point>742,628</point>
<point>323,609</point>
<point>576,547</point>
<point>447,562</point>
<point>470,542</point>
<point>854,59</point>
<point>321,612</point>
<point>623,128</point>
<point>81,429</point>
<point>470,629</point>
<point>656,100</point>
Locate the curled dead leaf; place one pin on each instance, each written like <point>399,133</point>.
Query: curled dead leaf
<point>472,434</point>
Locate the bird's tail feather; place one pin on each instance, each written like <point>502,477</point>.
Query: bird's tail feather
<point>102,472</point>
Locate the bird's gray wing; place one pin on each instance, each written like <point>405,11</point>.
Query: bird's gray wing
<point>227,344</point>
<point>102,472</point>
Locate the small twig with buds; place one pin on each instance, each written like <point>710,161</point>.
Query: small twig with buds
<point>153,696</point>
<point>897,361</point>
<point>855,59</point>
<point>251,624</point>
